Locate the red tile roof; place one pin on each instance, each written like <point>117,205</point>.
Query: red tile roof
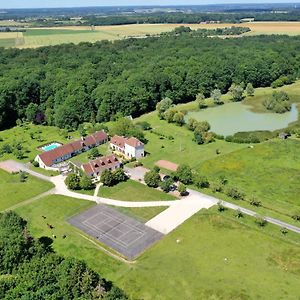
<point>98,165</point>
<point>49,157</point>
<point>120,141</point>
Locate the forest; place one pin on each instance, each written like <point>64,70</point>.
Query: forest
<point>69,84</point>
<point>29,268</point>
<point>192,18</point>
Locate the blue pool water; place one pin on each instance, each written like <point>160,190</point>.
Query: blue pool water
<point>51,146</point>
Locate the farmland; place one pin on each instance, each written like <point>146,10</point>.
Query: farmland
<point>37,37</point>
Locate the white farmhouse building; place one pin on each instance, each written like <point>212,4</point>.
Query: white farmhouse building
<point>128,147</point>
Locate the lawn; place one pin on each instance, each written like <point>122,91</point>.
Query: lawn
<point>12,191</point>
<point>217,257</point>
<point>181,149</point>
<point>133,191</point>
<point>31,137</point>
<point>270,172</point>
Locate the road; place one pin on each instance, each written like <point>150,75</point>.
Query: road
<point>178,211</point>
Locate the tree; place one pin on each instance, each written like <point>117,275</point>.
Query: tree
<point>182,189</point>
<point>31,112</point>
<point>184,174</point>
<point>234,193</point>
<point>250,89</point>
<point>166,185</point>
<point>203,126</point>
<point>169,115</point>
<point>163,106</point>
<point>93,153</point>
<point>200,98</point>
<point>198,137</point>
<point>152,179</point>
<point>86,183</point>
<point>119,175</point>
<point>73,181</point>
<point>107,178</point>
<point>236,92</point>
<point>216,96</point>
<point>23,176</point>
<point>260,221</point>
<point>201,181</point>
<point>179,118</point>
<point>192,124</point>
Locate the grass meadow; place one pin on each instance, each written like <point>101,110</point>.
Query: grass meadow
<point>12,191</point>
<point>37,37</point>
<point>216,256</point>
<point>133,191</point>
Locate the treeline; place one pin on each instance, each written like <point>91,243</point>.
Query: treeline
<point>29,268</point>
<point>66,85</point>
<point>192,18</point>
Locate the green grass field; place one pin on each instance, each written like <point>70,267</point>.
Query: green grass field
<point>182,149</point>
<point>12,191</point>
<point>133,191</point>
<point>270,171</point>
<point>218,256</point>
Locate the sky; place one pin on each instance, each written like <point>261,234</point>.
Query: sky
<point>74,3</point>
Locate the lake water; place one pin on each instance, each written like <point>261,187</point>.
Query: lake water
<point>230,118</point>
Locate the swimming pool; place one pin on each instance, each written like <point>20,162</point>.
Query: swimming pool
<point>50,146</point>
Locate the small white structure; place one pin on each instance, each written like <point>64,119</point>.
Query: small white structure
<point>128,147</point>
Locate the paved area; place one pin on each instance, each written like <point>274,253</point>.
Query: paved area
<point>11,166</point>
<point>177,214</point>
<point>167,165</point>
<point>116,230</point>
<point>137,173</point>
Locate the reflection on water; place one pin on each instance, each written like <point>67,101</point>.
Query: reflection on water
<point>234,117</point>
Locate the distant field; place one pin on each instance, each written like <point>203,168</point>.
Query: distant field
<point>37,37</point>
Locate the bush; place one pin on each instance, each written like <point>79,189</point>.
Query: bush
<point>23,176</point>
<point>255,202</point>
<point>221,207</point>
<point>144,125</point>
<point>166,185</point>
<point>86,183</point>
<point>184,174</point>
<point>239,214</point>
<point>152,179</point>
<point>35,164</point>
<point>73,181</point>
<point>260,221</point>
<point>182,189</point>
<point>234,193</point>
<point>93,153</point>
<point>201,182</point>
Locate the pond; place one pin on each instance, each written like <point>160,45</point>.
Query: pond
<point>231,118</point>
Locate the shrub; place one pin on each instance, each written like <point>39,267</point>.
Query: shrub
<point>152,179</point>
<point>182,189</point>
<point>260,221</point>
<point>35,164</point>
<point>221,207</point>
<point>166,185</point>
<point>23,176</point>
<point>234,193</point>
<point>201,181</point>
<point>239,214</point>
<point>86,183</point>
<point>144,125</point>
<point>73,181</point>
<point>296,216</point>
<point>93,153</point>
<point>255,202</point>
<point>184,174</point>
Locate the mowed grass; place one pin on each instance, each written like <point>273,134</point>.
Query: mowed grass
<point>182,149</point>
<point>217,257</point>
<point>12,191</point>
<point>133,191</point>
<point>270,172</point>
<point>31,137</point>
<point>37,37</point>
